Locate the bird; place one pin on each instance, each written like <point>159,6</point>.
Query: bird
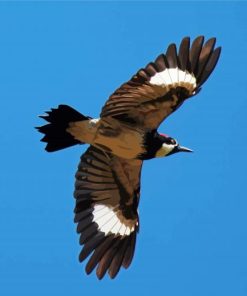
<point>107,186</point>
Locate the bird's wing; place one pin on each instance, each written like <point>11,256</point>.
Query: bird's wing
<point>107,193</point>
<point>162,86</point>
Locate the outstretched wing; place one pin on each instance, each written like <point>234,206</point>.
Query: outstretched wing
<point>162,86</point>
<point>107,193</point>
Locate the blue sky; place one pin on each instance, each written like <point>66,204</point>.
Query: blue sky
<point>193,237</point>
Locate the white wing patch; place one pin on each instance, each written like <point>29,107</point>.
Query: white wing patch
<point>173,76</point>
<point>108,221</point>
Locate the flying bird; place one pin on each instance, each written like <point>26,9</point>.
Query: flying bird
<point>107,187</point>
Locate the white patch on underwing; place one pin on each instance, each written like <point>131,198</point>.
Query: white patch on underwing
<point>108,221</point>
<point>173,76</point>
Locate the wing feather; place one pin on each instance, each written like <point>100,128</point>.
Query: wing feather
<point>106,260</point>
<point>118,259</point>
<point>204,56</point>
<point>160,88</point>
<point>98,253</point>
<point>107,195</point>
<point>128,256</point>
<point>195,52</point>
<point>183,55</point>
<point>210,65</point>
<point>91,245</point>
<point>171,55</point>
<point>160,62</point>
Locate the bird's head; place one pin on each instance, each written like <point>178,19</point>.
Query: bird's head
<point>169,146</point>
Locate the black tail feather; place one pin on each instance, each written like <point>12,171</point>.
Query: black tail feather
<point>55,134</point>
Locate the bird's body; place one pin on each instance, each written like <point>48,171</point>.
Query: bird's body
<point>107,188</point>
<point>110,135</point>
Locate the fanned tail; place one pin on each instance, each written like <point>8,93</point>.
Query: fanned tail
<point>55,132</point>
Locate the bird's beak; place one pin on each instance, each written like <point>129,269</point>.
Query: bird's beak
<point>183,149</point>
<point>179,149</point>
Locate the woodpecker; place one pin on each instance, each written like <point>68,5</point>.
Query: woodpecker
<point>107,187</point>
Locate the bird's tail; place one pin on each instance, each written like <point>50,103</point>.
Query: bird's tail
<point>55,132</point>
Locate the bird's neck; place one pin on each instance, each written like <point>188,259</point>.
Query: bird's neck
<point>152,143</point>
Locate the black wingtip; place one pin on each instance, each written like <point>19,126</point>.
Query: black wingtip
<point>199,39</point>
<point>195,51</point>
<point>183,53</point>
<point>211,64</point>
<point>171,55</point>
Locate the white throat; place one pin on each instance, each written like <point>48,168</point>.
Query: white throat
<point>164,150</point>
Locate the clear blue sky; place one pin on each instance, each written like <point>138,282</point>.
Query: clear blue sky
<point>193,237</point>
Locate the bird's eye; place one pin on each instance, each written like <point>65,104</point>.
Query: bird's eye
<point>173,142</point>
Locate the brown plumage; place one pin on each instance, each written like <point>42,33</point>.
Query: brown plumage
<point>107,188</point>
<point>101,179</point>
